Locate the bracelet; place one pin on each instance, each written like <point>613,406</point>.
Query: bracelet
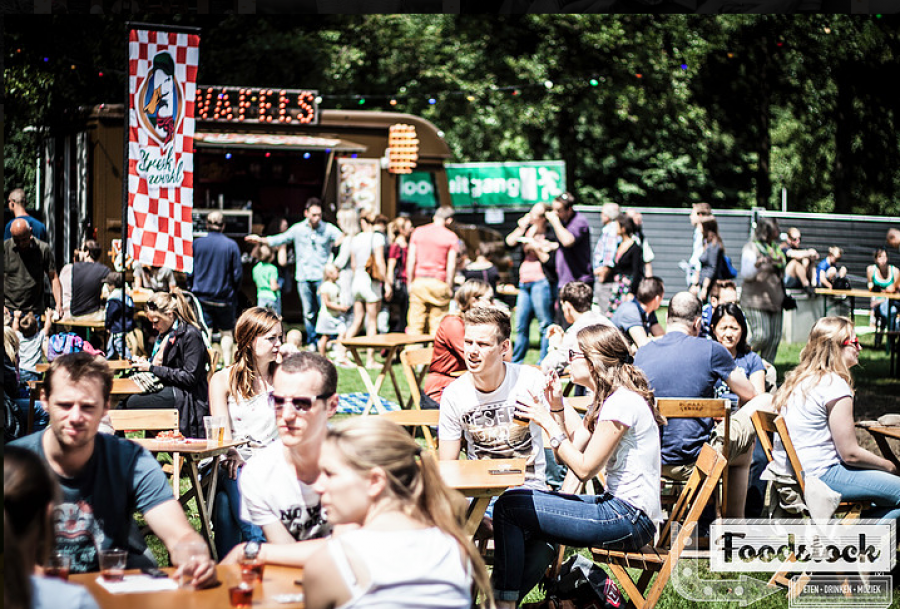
<point>560,410</point>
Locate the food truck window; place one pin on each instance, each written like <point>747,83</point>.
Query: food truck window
<point>418,191</point>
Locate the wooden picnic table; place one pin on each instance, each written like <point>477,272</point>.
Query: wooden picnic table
<point>116,365</point>
<point>473,478</point>
<point>193,451</point>
<point>277,580</point>
<point>852,295</point>
<point>391,342</point>
<point>880,434</point>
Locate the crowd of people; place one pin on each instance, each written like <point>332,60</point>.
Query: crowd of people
<point>351,501</point>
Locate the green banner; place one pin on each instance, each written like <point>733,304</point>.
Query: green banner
<point>489,184</point>
<point>505,184</point>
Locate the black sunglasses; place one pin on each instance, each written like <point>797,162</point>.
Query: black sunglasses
<point>300,404</point>
<point>151,306</point>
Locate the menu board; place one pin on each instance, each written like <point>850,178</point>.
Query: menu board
<point>359,184</point>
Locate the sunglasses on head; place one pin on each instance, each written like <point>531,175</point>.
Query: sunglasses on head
<point>151,306</point>
<point>299,404</point>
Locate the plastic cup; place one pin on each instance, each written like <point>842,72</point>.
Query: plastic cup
<point>214,430</point>
<point>112,564</point>
<point>186,555</point>
<point>58,565</point>
<point>240,595</point>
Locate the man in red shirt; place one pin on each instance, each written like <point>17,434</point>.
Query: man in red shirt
<point>430,268</point>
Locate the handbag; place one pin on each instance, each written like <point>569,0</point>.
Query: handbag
<point>580,584</point>
<point>147,381</point>
<point>371,266</point>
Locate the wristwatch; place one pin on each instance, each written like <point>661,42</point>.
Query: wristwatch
<point>251,550</point>
<point>555,441</point>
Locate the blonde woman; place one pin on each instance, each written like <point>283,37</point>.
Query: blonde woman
<point>816,401</point>
<point>180,359</point>
<point>410,550</point>
<point>619,433</point>
<point>367,292</point>
<point>240,393</point>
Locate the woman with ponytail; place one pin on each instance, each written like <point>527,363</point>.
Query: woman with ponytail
<point>619,434</point>
<point>180,359</point>
<point>240,393</point>
<point>410,550</point>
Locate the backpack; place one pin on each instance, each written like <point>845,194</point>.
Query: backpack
<point>63,344</point>
<point>724,269</point>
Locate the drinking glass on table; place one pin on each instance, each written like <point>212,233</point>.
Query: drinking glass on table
<point>112,564</point>
<point>58,565</point>
<point>186,556</point>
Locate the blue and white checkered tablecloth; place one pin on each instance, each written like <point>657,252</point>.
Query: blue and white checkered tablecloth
<point>354,403</point>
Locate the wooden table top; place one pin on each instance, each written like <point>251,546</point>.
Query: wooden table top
<point>96,324</point>
<point>857,293</point>
<point>277,580</point>
<point>391,339</point>
<point>471,475</point>
<point>413,416</point>
<point>190,446</point>
<point>116,365</point>
<point>119,387</point>
<point>891,432</point>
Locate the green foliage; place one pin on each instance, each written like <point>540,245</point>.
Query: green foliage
<point>763,102</point>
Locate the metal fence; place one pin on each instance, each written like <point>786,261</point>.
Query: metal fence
<point>670,234</point>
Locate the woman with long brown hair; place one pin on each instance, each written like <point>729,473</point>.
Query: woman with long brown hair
<point>410,550</point>
<point>240,393</point>
<point>619,433</point>
<point>816,401</point>
<point>179,359</point>
<point>29,493</point>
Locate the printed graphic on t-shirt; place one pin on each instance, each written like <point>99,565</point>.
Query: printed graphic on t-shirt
<point>494,433</point>
<point>305,522</point>
<point>78,535</point>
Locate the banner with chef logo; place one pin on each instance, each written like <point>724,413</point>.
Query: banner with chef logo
<point>162,85</point>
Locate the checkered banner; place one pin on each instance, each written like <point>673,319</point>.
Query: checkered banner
<point>162,77</point>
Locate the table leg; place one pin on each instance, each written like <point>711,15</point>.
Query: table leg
<point>379,381</point>
<point>197,490</point>
<point>883,446</point>
<point>366,379</point>
<point>389,362</point>
<point>475,514</point>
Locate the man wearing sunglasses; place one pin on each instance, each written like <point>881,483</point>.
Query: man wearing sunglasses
<point>276,484</point>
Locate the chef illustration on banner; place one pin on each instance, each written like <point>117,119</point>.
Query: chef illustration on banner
<point>159,103</point>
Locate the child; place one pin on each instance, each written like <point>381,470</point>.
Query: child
<point>119,320</point>
<point>828,275</point>
<point>265,276</point>
<point>331,323</point>
<point>32,342</point>
<point>293,343</point>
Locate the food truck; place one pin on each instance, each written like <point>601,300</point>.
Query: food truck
<point>258,163</point>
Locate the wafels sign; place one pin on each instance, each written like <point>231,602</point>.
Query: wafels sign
<point>162,84</point>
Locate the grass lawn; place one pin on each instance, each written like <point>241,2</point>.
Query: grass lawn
<point>877,394</point>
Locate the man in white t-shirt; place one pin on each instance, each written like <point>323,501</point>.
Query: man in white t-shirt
<point>276,484</point>
<point>480,404</point>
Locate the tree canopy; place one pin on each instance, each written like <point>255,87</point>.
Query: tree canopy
<point>646,110</point>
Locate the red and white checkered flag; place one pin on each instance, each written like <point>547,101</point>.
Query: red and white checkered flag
<point>162,77</point>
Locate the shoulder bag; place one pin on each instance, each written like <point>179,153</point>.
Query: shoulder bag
<point>371,266</point>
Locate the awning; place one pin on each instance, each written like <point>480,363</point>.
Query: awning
<point>272,141</point>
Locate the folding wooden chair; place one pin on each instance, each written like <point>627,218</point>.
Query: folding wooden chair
<point>213,362</point>
<point>766,423</point>
<point>683,408</point>
<point>409,362</point>
<point>662,557</point>
<point>150,420</point>
<point>423,419</point>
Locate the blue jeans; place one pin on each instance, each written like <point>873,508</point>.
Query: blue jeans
<point>271,303</point>
<point>309,298</point>
<point>881,488</point>
<point>534,299</point>
<point>526,521</point>
<point>230,529</point>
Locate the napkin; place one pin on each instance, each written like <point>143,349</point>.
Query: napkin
<point>889,420</point>
<point>138,583</point>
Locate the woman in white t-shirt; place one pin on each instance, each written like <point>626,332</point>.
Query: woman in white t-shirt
<point>240,392</point>
<point>816,401</point>
<point>410,551</point>
<point>619,434</point>
<point>367,292</point>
